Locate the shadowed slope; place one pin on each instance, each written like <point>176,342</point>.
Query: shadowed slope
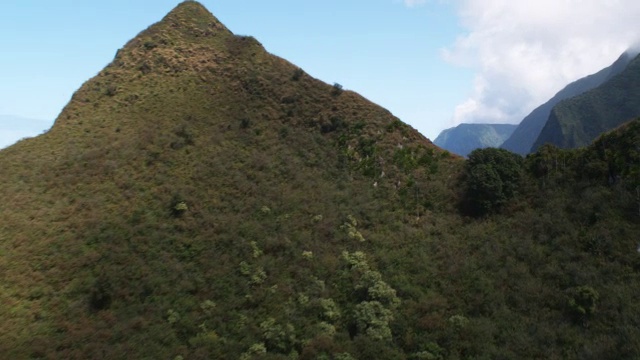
<point>577,121</point>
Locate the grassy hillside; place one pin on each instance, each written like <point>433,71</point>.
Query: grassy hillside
<point>465,138</point>
<point>577,121</point>
<point>200,198</point>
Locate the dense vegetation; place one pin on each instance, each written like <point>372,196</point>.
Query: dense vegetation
<point>492,178</point>
<point>201,198</point>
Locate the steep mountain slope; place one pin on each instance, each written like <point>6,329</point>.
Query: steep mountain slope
<point>577,121</point>
<point>200,198</point>
<point>465,138</point>
<point>530,127</point>
<point>197,169</point>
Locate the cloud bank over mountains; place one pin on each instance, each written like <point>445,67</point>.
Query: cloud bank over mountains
<point>524,52</point>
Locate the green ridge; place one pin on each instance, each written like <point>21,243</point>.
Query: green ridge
<point>577,121</point>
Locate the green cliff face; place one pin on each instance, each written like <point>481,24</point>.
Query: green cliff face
<point>577,121</point>
<point>530,127</point>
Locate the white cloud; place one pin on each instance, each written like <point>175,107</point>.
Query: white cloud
<point>414,3</point>
<point>524,52</point>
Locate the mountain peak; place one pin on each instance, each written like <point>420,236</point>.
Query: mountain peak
<point>188,24</point>
<point>194,19</point>
<point>189,71</point>
<point>189,5</point>
<point>189,39</point>
<point>186,32</point>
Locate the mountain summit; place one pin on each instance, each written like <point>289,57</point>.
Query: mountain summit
<point>188,40</point>
<point>190,63</point>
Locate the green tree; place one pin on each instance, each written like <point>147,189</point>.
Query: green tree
<point>372,318</point>
<point>492,179</point>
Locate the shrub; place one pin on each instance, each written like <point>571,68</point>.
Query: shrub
<point>111,90</point>
<point>145,68</point>
<point>245,123</point>
<point>372,319</point>
<point>582,301</point>
<point>297,74</point>
<point>277,338</point>
<point>337,89</point>
<point>330,310</point>
<point>334,123</point>
<point>256,349</point>
<point>179,208</point>
<point>172,316</point>
<point>100,297</point>
<point>149,45</point>
<point>350,227</point>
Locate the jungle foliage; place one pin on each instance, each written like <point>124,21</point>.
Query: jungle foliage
<point>221,203</point>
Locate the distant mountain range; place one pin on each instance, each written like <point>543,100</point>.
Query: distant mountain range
<point>465,138</point>
<point>580,121</point>
<point>14,128</point>
<point>577,121</point>
<point>527,132</point>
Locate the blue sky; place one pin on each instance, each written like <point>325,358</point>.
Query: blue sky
<point>433,63</point>
<point>388,52</point>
